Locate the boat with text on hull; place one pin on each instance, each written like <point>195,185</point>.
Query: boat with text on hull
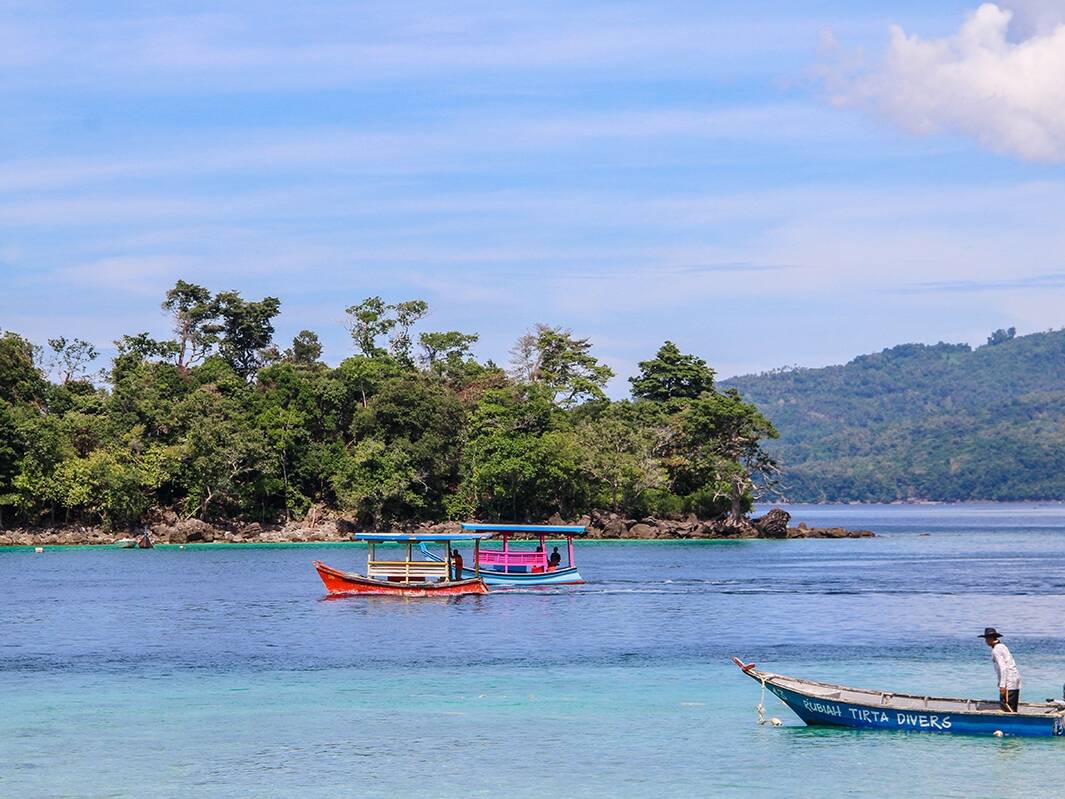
<point>515,567</point>
<point>824,704</point>
<point>408,577</point>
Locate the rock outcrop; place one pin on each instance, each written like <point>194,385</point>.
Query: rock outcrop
<point>773,525</point>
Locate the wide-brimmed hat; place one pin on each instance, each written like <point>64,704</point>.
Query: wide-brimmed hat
<point>990,632</point>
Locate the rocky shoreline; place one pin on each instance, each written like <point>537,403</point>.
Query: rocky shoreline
<point>170,529</point>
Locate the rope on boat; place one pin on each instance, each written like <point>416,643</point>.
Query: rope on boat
<point>761,708</point>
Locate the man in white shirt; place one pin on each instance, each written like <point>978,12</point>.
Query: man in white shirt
<point>1009,678</point>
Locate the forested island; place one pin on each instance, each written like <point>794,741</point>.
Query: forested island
<point>943,422</point>
<point>220,428</point>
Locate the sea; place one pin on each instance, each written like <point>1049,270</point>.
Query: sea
<point>223,671</point>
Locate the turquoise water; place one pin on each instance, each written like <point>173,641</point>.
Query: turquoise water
<point>221,671</point>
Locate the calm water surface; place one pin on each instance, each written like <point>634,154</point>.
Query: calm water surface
<point>221,671</point>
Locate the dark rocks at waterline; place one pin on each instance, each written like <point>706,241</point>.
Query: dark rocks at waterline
<point>802,531</point>
<point>601,525</point>
<point>168,528</point>
<point>773,525</point>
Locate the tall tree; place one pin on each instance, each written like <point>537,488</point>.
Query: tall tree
<point>672,375</point>
<point>722,439</point>
<point>368,321</point>
<point>194,314</point>
<point>553,357</point>
<point>71,357</point>
<point>305,349</point>
<point>401,346</point>
<point>247,331</point>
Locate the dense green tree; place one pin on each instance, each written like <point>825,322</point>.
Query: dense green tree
<point>12,448</point>
<point>521,459</point>
<point>421,426</point>
<point>672,375</point>
<point>623,455</point>
<point>445,347</point>
<point>1001,336</point>
<point>305,349</point>
<point>553,357</point>
<point>721,443</point>
<point>20,379</point>
<point>246,331</point>
<point>227,464</point>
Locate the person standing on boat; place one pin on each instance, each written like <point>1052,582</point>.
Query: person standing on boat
<point>456,559</point>
<point>1009,678</point>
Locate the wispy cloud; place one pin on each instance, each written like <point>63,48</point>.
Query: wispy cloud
<point>330,44</point>
<point>1051,280</point>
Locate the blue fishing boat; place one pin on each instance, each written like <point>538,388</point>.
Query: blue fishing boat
<point>823,704</point>
<point>517,566</point>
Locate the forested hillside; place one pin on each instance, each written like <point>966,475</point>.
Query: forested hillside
<point>941,422</point>
<point>218,422</point>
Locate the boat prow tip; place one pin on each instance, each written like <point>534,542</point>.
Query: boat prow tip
<point>743,666</point>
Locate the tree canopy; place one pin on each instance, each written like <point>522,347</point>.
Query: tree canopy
<point>219,422</point>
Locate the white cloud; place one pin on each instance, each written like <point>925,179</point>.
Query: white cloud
<point>1010,95</point>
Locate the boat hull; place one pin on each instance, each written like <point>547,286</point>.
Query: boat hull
<point>517,580</point>
<point>567,576</point>
<point>824,712</point>
<point>339,582</point>
<point>819,710</point>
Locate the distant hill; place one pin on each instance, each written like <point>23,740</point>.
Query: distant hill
<point>942,422</point>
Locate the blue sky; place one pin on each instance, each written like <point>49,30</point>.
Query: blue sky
<point>766,183</point>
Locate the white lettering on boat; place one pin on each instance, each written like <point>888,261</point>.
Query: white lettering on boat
<point>923,720</point>
<point>823,707</point>
<point>868,715</point>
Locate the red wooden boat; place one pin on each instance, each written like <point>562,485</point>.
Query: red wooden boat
<point>408,577</point>
<point>338,582</point>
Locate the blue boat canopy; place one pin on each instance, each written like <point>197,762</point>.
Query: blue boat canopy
<point>416,537</point>
<point>568,529</point>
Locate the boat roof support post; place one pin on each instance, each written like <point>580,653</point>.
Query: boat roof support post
<point>476,558</point>
<point>569,546</point>
<point>506,552</point>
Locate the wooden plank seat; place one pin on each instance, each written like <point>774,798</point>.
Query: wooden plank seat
<point>415,570</point>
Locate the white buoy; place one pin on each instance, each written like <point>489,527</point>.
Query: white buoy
<point>776,722</point>
<point>997,733</point>
<point>38,550</point>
